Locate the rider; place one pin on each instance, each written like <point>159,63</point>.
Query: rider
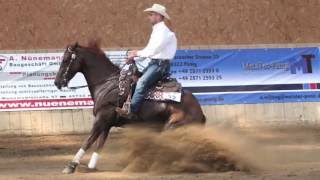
<point>154,60</point>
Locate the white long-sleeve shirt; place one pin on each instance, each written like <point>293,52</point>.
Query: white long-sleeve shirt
<point>162,45</point>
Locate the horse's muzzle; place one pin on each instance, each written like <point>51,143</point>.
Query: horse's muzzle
<point>58,85</point>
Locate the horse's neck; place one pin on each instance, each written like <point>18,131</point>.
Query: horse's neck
<point>96,71</point>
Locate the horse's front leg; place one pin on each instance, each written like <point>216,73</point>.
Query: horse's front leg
<point>99,145</point>
<point>103,122</point>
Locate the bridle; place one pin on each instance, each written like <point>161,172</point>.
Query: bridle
<point>113,76</point>
<point>73,58</point>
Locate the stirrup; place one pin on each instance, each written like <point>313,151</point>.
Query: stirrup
<point>126,105</point>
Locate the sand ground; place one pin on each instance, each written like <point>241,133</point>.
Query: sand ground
<point>288,154</point>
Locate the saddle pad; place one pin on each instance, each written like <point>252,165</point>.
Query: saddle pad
<point>168,90</point>
<point>163,96</point>
<point>170,85</point>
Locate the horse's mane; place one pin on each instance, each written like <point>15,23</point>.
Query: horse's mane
<point>95,47</point>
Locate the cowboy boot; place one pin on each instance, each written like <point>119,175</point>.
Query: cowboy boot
<point>124,113</point>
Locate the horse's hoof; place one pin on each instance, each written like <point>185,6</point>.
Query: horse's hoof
<point>70,168</point>
<point>85,169</point>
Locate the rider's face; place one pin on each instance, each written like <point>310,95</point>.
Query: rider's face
<point>154,18</point>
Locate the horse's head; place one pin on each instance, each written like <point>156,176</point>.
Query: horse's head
<point>70,65</point>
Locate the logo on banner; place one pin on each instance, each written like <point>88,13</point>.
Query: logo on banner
<point>304,64</point>
<point>3,62</point>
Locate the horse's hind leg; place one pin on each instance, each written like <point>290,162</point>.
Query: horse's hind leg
<point>176,119</point>
<point>188,112</point>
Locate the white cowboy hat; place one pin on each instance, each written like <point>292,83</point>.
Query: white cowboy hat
<point>158,8</point>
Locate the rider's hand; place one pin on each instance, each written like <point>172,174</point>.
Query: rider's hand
<point>130,60</point>
<point>131,56</point>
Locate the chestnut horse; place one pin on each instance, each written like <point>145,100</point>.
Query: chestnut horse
<point>102,78</point>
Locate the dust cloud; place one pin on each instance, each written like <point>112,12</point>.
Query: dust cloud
<point>212,149</point>
<point>189,149</point>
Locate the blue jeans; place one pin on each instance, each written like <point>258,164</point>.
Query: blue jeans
<point>155,71</point>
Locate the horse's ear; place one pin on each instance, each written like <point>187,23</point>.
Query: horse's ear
<point>74,46</point>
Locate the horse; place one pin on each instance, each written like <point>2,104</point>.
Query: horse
<point>102,77</point>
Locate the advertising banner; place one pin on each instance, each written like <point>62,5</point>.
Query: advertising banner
<point>237,76</point>
<point>27,82</point>
<point>226,76</point>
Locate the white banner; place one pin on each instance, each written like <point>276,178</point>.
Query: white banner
<point>27,82</point>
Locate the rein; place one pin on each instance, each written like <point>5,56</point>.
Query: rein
<point>113,76</point>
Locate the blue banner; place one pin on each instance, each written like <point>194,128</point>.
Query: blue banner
<point>241,76</point>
